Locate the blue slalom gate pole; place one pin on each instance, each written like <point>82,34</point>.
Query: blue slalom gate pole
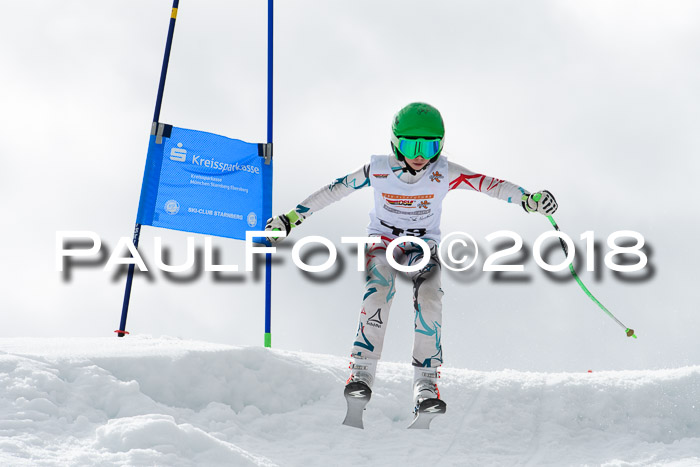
<point>156,115</point>
<point>268,256</point>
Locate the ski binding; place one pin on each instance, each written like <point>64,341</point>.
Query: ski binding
<point>426,411</point>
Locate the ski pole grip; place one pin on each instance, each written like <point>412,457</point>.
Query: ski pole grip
<point>536,197</point>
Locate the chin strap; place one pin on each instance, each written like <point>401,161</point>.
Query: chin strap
<point>404,166</point>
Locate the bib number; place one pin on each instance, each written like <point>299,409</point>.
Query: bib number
<point>398,232</point>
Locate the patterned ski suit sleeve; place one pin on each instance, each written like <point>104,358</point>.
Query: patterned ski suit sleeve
<point>336,191</point>
<point>462,178</point>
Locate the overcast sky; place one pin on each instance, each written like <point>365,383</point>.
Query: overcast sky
<point>594,100</point>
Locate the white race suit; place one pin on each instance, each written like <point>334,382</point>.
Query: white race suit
<point>405,204</point>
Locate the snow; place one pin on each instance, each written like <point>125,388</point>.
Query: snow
<point>165,401</point>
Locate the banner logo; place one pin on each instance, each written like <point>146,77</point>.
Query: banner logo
<point>178,154</point>
<point>252,219</point>
<point>172,207</point>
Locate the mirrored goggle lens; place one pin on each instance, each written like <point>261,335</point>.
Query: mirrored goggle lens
<point>412,148</point>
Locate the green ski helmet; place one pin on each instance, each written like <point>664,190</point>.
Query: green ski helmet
<point>417,130</point>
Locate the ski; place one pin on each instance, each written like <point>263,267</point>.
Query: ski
<point>357,395</point>
<point>426,411</point>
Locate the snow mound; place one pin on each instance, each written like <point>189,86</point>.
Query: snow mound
<point>148,436</point>
<point>145,401</point>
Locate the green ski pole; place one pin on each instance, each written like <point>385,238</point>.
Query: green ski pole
<point>628,331</point>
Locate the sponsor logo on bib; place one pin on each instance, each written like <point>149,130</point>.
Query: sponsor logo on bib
<point>436,176</point>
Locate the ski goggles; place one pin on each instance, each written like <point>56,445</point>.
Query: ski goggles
<point>414,147</point>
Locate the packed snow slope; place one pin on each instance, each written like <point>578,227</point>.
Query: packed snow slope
<point>147,401</point>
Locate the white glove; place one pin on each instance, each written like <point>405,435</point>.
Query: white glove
<point>280,223</point>
<point>542,202</point>
<point>283,223</point>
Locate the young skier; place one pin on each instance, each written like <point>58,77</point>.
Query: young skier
<point>409,187</point>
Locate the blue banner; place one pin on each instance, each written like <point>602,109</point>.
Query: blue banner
<point>205,183</point>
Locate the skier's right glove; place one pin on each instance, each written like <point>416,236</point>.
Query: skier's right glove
<point>283,222</point>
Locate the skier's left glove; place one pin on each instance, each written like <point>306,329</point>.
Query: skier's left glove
<point>283,222</point>
<point>546,205</point>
